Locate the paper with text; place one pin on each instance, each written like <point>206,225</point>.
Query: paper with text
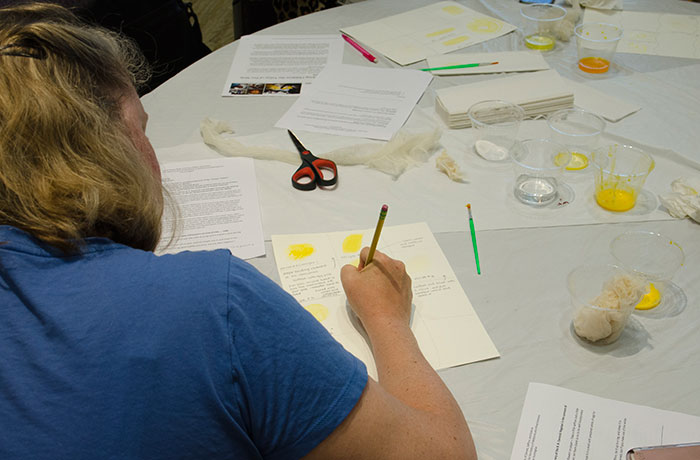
<point>357,101</point>
<point>434,29</point>
<point>280,65</point>
<point>217,203</point>
<point>557,423</point>
<point>444,322</point>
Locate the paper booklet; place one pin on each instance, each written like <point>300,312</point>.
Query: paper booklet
<point>538,93</point>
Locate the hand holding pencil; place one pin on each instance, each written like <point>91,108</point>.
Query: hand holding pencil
<point>379,289</point>
<point>379,293</point>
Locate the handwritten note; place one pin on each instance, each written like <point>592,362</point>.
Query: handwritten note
<point>447,328</point>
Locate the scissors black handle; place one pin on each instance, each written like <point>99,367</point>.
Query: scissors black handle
<point>310,173</point>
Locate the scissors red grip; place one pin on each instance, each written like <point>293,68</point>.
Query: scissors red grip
<point>310,173</point>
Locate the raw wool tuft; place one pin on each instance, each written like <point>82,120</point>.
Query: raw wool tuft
<point>684,200</point>
<point>405,150</point>
<point>565,29</point>
<point>604,320</point>
<point>449,166</point>
<point>214,135</point>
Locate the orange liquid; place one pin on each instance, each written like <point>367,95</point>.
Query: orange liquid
<point>594,64</point>
<point>615,200</point>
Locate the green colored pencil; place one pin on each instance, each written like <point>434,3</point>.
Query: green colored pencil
<point>460,66</point>
<point>471,228</point>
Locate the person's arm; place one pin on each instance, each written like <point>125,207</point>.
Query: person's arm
<point>409,413</point>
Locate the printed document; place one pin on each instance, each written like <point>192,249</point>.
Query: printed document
<point>446,326</point>
<point>357,101</point>
<point>280,65</point>
<point>557,423</point>
<point>217,207</point>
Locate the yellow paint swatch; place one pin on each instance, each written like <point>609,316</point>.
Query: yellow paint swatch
<point>452,9</point>
<point>319,311</point>
<point>455,41</point>
<point>299,251</point>
<point>352,243</point>
<point>440,32</point>
<point>484,25</point>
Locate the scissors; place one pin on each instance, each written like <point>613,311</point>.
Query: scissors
<point>310,173</point>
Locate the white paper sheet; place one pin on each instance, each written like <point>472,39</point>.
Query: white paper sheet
<point>357,101</point>
<point>447,328</point>
<point>660,34</point>
<point>434,29</point>
<point>600,103</point>
<point>557,423</point>
<point>218,207</point>
<point>280,65</point>
<point>508,61</point>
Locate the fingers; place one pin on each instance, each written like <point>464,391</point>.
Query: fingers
<point>347,273</point>
<point>363,257</point>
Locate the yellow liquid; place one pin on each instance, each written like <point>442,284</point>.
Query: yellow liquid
<point>650,300</point>
<point>594,64</point>
<point>615,200</point>
<point>539,42</point>
<point>578,161</point>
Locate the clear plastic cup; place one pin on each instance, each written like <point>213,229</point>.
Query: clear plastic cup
<point>579,131</point>
<point>541,21</point>
<point>596,44</point>
<point>655,257</point>
<point>496,126</point>
<point>538,165</point>
<point>620,172</point>
<point>603,298</point>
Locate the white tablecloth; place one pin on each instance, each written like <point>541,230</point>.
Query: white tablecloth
<point>521,296</point>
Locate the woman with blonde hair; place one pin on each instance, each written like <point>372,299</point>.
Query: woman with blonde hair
<point>110,351</point>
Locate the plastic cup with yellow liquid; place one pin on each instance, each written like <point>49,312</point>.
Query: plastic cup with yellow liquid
<point>620,172</point>
<point>541,21</point>
<point>655,257</point>
<point>578,130</point>
<point>596,44</point>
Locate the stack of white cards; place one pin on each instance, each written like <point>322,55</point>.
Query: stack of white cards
<point>538,93</point>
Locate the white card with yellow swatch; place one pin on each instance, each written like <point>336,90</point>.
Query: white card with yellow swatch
<point>434,29</point>
<point>446,326</point>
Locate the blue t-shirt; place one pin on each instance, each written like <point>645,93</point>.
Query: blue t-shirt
<point>122,354</point>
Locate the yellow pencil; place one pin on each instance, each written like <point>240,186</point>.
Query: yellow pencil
<point>377,231</point>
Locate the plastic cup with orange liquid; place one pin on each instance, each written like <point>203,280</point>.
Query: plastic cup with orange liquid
<point>596,44</point>
<point>541,21</point>
<point>654,256</point>
<point>620,172</point>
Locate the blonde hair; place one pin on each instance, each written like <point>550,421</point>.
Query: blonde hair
<point>68,168</point>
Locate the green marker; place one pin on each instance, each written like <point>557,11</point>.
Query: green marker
<point>471,228</point>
